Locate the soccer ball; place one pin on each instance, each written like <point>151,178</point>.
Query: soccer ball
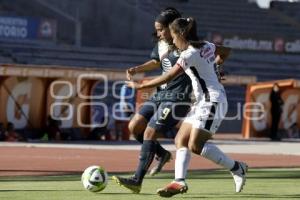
<point>94,178</point>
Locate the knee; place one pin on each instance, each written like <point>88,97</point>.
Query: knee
<point>132,127</point>
<point>136,126</point>
<point>181,140</point>
<point>177,142</point>
<point>195,148</point>
<point>150,134</point>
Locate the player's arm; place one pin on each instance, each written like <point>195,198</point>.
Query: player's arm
<point>221,54</point>
<point>174,72</point>
<point>152,64</point>
<point>147,66</point>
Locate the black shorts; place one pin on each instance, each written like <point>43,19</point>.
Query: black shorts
<point>163,116</point>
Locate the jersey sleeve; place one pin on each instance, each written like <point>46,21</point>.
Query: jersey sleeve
<point>184,60</point>
<point>154,54</point>
<point>212,46</point>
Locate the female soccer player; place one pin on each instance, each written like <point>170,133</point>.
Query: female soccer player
<point>197,60</point>
<point>156,117</point>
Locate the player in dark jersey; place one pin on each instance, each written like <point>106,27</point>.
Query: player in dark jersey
<point>159,114</point>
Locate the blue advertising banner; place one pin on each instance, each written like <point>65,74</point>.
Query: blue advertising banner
<point>27,28</point>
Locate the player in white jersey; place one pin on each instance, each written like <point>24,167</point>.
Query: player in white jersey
<point>197,59</point>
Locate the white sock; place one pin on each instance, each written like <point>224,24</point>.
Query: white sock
<point>183,157</point>
<point>213,153</point>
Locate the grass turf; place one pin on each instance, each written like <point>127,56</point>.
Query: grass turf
<point>261,184</point>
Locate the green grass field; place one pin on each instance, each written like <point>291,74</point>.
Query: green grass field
<point>261,184</point>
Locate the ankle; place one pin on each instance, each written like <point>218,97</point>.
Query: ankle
<point>136,179</point>
<point>235,167</point>
<point>180,181</point>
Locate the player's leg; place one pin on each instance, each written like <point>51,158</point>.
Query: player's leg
<point>199,145</point>
<point>169,115</point>
<point>183,157</point>
<point>211,152</point>
<point>138,123</point>
<point>197,136</point>
<point>146,157</point>
<point>183,154</point>
<point>160,122</point>
<point>148,151</point>
<point>137,126</point>
<point>211,116</point>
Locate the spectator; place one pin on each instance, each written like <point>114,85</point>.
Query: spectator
<point>11,135</point>
<point>276,110</point>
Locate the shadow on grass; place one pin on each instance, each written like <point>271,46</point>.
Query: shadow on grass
<point>31,190</point>
<point>193,174</point>
<point>126,194</point>
<point>99,193</point>
<point>240,196</point>
<point>223,174</point>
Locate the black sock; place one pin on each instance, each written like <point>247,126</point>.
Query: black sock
<point>236,166</point>
<point>160,151</point>
<point>139,138</point>
<point>146,157</point>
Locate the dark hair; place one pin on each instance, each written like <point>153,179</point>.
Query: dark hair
<point>276,85</point>
<point>167,16</point>
<point>186,27</point>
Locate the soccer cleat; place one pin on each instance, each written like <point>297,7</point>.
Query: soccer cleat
<point>172,189</point>
<point>239,176</point>
<point>161,162</point>
<point>129,183</point>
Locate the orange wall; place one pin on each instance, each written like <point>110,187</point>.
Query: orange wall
<point>25,93</point>
<point>260,93</point>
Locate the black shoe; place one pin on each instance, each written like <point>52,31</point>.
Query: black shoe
<point>161,162</point>
<point>129,183</point>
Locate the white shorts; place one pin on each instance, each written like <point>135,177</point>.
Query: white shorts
<point>207,115</point>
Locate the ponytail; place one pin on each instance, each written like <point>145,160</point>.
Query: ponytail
<point>191,23</point>
<point>186,27</point>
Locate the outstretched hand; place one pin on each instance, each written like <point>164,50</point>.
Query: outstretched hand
<point>133,84</point>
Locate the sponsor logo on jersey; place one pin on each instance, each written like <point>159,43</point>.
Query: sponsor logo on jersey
<point>166,64</point>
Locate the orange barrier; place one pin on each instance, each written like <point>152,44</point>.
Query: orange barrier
<point>22,101</point>
<point>31,93</point>
<point>257,117</point>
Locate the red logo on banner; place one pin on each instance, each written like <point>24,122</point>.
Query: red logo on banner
<point>279,44</point>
